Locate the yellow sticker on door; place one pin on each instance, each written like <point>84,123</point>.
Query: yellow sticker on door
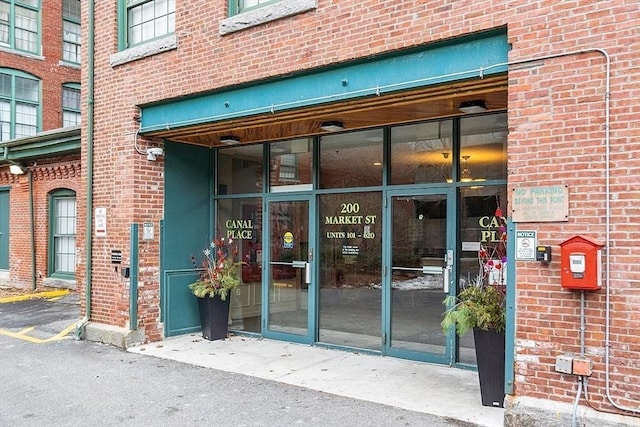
<point>288,240</point>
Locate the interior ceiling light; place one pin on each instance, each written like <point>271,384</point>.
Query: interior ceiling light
<point>332,126</point>
<point>229,139</point>
<point>16,169</point>
<point>465,176</point>
<point>477,106</point>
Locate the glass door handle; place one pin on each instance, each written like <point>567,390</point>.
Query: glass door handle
<point>294,264</point>
<point>445,288</point>
<point>425,269</point>
<point>447,269</point>
<point>307,273</point>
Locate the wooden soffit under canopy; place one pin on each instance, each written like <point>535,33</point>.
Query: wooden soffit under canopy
<point>414,105</point>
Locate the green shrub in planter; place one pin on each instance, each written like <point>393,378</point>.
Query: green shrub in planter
<point>481,307</point>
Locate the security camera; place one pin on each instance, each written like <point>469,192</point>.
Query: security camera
<point>153,152</point>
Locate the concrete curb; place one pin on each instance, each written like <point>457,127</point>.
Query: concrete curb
<point>42,295</point>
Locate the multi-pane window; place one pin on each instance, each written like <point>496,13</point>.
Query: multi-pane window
<point>63,233</point>
<point>71,31</point>
<point>288,167</point>
<point>19,24</point>
<point>70,104</point>
<point>149,19</point>
<point>19,104</point>
<point>4,23</point>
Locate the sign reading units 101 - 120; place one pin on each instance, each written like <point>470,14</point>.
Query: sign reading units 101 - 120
<point>540,204</point>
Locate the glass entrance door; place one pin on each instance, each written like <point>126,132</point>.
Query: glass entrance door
<point>290,274</point>
<point>421,261</point>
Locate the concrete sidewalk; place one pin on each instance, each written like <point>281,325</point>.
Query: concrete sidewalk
<point>416,386</point>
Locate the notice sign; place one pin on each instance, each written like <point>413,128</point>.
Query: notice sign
<point>540,204</point>
<point>100,221</point>
<point>526,245</point>
<point>147,231</point>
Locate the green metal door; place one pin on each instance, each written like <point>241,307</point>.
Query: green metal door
<point>4,230</point>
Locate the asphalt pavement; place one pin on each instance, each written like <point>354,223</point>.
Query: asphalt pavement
<point>47,317</point>
<point>78,383</point>
<point>48,378</point>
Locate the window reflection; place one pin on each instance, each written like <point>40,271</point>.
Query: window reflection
<point>290,164</point>
<point>351,159</point>
<point>240,170</point>
<point>483,148</point>
<point>350,265</point>
<point>241,220</point>
<point>480,232</point>
<point>421,153</point>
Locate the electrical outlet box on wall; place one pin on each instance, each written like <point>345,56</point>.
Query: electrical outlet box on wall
<point>564,363</point>
<point>582,366</point>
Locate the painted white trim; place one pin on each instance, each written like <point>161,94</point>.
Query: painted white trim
<point>295,187</point>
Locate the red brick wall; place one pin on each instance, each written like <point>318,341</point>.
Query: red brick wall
<point>47,67</point>
<point>47,174</point>
<point>556,123</point>
<point>557,137</point>
<point>54,174</point>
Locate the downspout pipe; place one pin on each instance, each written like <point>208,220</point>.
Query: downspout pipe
<point>32,219</point>
<point>89,209</point>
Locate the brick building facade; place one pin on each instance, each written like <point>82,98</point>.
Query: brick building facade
<point>40,134</point>
<point>557,81</point>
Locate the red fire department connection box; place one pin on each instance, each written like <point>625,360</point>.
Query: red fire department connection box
<point>581,263</point>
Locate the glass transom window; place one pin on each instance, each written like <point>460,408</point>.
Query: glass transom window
<point>352,159</point>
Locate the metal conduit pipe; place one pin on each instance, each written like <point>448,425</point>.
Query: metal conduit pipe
<point>607,143</point>
<point>581,378</point>
<point>89,209</point>
<point>32,224</point>
<point>574,417</point>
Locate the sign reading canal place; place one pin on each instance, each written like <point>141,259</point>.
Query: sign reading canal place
<point>239,229</point>
<point>540,204</point>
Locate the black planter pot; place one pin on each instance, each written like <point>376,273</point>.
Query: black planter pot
<point>490,358</point>
<point>214,317</point>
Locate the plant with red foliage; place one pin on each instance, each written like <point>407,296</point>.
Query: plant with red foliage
<point>219,270</point>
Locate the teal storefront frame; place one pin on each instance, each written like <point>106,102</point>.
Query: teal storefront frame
<point>481,55</point>
<point>191,167</point>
